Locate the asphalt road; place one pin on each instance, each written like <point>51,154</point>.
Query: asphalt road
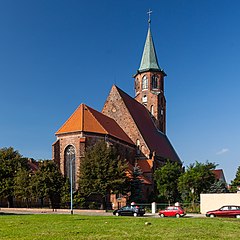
<point>76,211</point>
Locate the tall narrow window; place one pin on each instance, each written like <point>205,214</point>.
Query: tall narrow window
<point>154,82</point>
<point>152,110</point>
<point>138,146</point>
<point>144,82</point>
<point>69,164</point>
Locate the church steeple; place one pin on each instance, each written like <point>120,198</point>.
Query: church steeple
<point>149,83</point>
<point>149,58</point>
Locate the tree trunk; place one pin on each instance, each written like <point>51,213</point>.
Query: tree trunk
<point>10,201</point>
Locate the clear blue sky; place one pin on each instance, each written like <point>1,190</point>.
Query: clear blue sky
<point>57,54</point>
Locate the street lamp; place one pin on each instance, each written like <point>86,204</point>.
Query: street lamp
<point>71,157</point>
<point>71,181</point>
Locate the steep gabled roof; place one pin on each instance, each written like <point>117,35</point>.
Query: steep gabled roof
<point>156,141</point>
<point>219,175</point>
<point>86,119</point>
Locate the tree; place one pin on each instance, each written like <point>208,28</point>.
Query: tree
<point>219,186</point>
<point>48,182</point>
<point>235,183</point>
<point>102,171</point>
<point>166,179</point>
<point>197,179</point>
<point>10,162</point>
<point>136,184</point>
<point>22,185</point>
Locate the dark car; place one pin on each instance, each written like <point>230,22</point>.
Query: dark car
<point>130,211</point>
<point>172,211</point>
<point>225,211</point>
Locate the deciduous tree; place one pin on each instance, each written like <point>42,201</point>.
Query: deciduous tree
<point>196,180</point>
<point>48,182</point>
<point>166,179</point>
<point>102,171</point>
<point>10,162</point>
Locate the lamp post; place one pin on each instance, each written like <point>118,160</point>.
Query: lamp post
<point>71,181</point>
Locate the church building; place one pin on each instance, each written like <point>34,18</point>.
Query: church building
<point>136,126</point>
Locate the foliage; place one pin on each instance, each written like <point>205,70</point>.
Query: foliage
<point>166,179</point>
<point>136,184</point>
<point>235,183</point>
<point>78,227</point>
<point>10,162</point>
<point>48,182</point>
<point>65,193</point>
<point>22,185</point>
<point>102,171</point>
<point>219,186</point>
<point>197,179</point>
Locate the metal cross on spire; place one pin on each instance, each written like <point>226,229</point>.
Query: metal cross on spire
<point>149,16</point>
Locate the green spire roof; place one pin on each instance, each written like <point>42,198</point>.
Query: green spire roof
<point>149,57</point>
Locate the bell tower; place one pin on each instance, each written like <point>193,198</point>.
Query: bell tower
<point>149,83</point>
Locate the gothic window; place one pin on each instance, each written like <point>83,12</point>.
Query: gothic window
<point>154,82</point>
<point>144,83</point>
<point>138,146</point>
<point>69,164</point>
<point>152,110</point>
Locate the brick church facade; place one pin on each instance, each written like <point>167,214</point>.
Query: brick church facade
<point>135,126</point>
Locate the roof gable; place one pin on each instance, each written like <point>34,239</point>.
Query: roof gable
<point>155,140</point>
<point>86,119</point>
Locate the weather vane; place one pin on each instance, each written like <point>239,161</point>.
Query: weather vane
<point>149,16</point>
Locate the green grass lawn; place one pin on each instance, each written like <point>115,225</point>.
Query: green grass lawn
<point>61,226</point>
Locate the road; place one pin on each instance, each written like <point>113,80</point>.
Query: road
<point>76,211</point>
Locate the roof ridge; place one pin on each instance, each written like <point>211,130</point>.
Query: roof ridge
<point>90,111</point>
<point>130,112</point>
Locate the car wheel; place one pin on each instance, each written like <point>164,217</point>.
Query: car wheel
<point>237,216</point>
<point>211,215</point>
<point>162,215</point>
<point>135,214</point>
<point>177,215</point>
<point>117,214</point>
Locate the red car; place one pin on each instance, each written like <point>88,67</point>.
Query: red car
<point>225,211</point>
<point>172,211</point>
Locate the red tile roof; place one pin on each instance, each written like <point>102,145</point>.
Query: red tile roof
<point>86,119</point>
<point>219,175</point>
<point>156,140</point>
<point>145,165</point>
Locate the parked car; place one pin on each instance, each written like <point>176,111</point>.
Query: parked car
<point>172,211</point>
<point>130,211</point>
<point>225,211</point>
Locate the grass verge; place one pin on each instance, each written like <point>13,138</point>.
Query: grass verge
<point>61,226</point>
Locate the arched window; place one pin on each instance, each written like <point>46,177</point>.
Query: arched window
<point>152,110</point>
<point>144,82</point>
<point>138,146</point>
<point>154,82</point>
<point>69,163</point>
